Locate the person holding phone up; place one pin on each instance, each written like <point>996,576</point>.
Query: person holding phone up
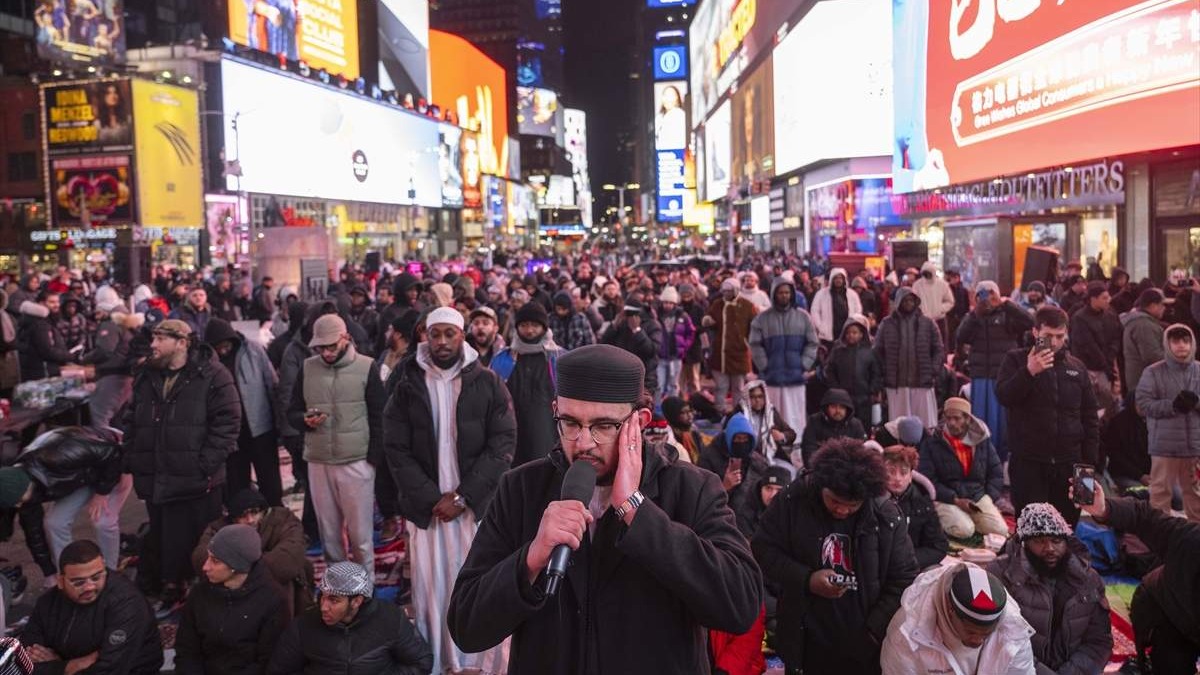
<point>1052,415</point>
<point>1167,394</point>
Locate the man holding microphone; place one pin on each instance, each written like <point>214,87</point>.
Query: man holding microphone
<point>656,559</point>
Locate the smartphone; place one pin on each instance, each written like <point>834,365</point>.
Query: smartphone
<point>1042,344</point>
<point>1085,484</point>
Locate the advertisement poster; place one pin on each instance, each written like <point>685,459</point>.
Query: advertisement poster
<point>846,215</point>
<point>167,139</point>
<point>404,46</point>
<point>87,117</point>
<point>717,153</point>
<point>225,234</point>
<point>670,119</point>
<point>670,186</point>
<point>753,136</point>
<point>322,33</point>
<point>91,191</point>
<point>472,177</point>
<point>80,31</point>
<point>450,165</point>
<point>537,111</point>
<point>971,249</point>
<point>575,135</point>
<point>301,139</point>
<point>670,62</point>
<point>473,86</point>
<point>854,115</point>
<point>1009,87</point>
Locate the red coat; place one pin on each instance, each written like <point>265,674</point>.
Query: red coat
<point>740,654</point>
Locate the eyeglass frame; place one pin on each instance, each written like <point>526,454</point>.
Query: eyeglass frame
<point>558,421</point>
<point>95,579</point>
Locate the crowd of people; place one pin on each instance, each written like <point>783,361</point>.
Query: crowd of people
<point>785,456</point>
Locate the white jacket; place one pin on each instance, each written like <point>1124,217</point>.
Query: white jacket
<point>914,646</point>
<point>936,297</point>
<point>822,306</point>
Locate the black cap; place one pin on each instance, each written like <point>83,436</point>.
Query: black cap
<point>777,475</point>
<point>601,374</point>
<point>247,500</point>
<point>1096,288</point>
<point>532,311</point>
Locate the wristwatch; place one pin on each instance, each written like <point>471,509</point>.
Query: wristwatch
<point>459,502</point>
<point>635,500</point>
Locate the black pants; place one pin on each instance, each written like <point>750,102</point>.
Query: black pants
<point>1034,482</point>
<point>263,453</point>
<point>31,517</point>
<point>387,496</point>
<point>1171,651</point>
<point>308,518</point>
<point>175,527</point>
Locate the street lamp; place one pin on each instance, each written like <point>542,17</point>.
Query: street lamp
<point>620,189</point>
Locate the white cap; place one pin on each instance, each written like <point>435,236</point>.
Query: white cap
<point>445,315</point>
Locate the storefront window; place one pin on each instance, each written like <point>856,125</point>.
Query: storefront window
<point>1046,235</point>
<point>1098,242</point>
<point>971,249</point>
<point>1181,251</point>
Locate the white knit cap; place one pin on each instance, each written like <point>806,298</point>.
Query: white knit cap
<point>1041,520</point>
<point>447,315</point>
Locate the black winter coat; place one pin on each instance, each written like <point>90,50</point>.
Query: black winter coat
<point>927,344</point>
<point>643,344</point>
<point>231,632</point>
<point>788,546</point>
<point>380,641</point>
<point>176,445</point>
<point>637,599</point>
<point>858,370</point>
<point>1096,339</point>
<point>940,465</point>
<point>487,436</point>
<point>63,460</point>
<point>991,336</point>
<point>1051,417</point>
<point>820,429</point>
<point>929,541</point>
<point>119,624</point>
<point>42,348</point>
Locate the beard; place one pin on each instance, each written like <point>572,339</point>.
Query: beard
<point>448,363</point>
<point>1045,570</point>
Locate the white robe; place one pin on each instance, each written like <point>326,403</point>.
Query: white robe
<point>437,554</point>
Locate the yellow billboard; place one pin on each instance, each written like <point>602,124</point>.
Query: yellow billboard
<point>166,134</point>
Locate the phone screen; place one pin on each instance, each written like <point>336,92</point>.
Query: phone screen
<point>1085,484</point>
<point>1042,344</point>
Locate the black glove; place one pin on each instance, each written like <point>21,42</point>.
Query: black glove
<point>1185,401</point>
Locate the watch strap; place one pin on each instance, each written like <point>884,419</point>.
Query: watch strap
<point>631,504</point>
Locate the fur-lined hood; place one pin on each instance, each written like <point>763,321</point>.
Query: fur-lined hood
<point>34,309</point>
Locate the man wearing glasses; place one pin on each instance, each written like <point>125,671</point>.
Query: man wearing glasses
<point>94,621</point>
<point>450,434</point>
<point>338,401</point>
<point>657,554</point>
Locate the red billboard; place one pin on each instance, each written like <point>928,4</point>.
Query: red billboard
<point>1000,87</point>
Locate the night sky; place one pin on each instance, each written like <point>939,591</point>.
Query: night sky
<point>597,38</point>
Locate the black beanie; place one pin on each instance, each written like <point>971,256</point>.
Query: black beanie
<point>533,311</point>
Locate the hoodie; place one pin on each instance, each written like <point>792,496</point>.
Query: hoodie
<point>941,465</point>
<point>937,298</point>
<point>855,369</point>
<point>1167,395</point>
<point>1142,344</point>
<point>783,342</point>
<point>821,428</point>
<point>715,457</point>
<point>764,423</point>
<point>831,308</point>
<point>252,373</point>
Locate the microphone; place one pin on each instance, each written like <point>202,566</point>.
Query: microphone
<point>579,484</point>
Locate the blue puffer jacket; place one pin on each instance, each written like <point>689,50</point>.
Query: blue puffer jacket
<point>783,343</point>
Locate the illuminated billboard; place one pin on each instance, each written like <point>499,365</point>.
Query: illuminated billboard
<point>575,143</point>
<point>298,138</point>
<point>80,31</point>
<point>473,86</point>
<point>538,112</point>
<point>670,62</point>
<point>753,127</point>
<point>167,141</point>
<point>717,155</point>
<point>91,116</point>
<point>322,33</point>
<point>843,50</point>
<point>404,46</point>
<point>1014,86</point>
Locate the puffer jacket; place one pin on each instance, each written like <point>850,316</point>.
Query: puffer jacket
<point>110,352</point>
<point>1075,639</point>
<point>1141,343</point>
<point>914,644</point>
<point>380,641</point>
<point>821,428</point>
<point>176,444</point>
<point>822,305</point>
<point>644,344</point>
<point>929,541</point>
<point>783,342</point>
<point>43,349</point>
<point>197,319</point>
<point>856,369</point>
<point>1096,338</point>
<point>486,435</point>
<point>677,342</point>
<point>1052,418</point>
<point>731,335</point>
<point>231,631</point>
<point>1172,433</point>
<point>65,459</point>
<point>991,336</point>
<point>927,346</point>
<point>788,547</point>
<point>940,465</point>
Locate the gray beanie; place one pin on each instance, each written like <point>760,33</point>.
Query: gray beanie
<point>238,546</point>
<point>909,430</point>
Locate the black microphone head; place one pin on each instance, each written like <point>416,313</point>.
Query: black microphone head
<point>580,482</point>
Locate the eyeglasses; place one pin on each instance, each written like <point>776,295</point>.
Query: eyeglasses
<point>602,432</point>
<point>328,349</point>
<point>84,581</point>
